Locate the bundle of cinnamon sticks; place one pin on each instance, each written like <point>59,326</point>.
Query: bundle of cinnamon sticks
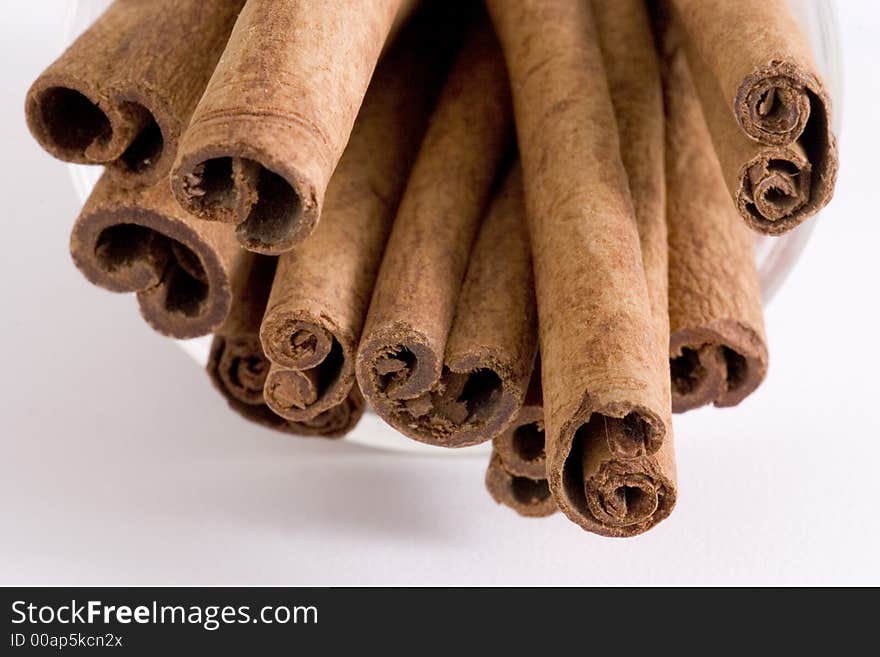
<point>529,222</point>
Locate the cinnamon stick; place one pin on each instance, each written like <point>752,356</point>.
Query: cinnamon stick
<point>407,337</point>
<point>335,422</point>
<point>718,351</point>
<point>766,107</point>
<point>492,342</point>
<point>600,366</point>
<point>141,241</point>
<point>527,496</point>
<point>122,93</point>
<point>626,498</point>
<point>322,289</point>
<point>238,368</point>
<point>277,114</point>
<point>772,85</point>
<point>617,497</point>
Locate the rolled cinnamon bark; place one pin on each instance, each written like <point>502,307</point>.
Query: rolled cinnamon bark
<point>322,289</point>
<point>409,331</point>
<point>600,366</point>
<point>491,346</point>
<point>238,368</point>
<point>771,84</point>
<point>335,422</point>
<point>617,497</point>
<point>141,241</point>
<point>627,498</point>
<point>718,351</point>
<point>766,107</point>
<point>527,496</point>
<point>123,92</point>
<point>521,444</point>
<point>277,113</point>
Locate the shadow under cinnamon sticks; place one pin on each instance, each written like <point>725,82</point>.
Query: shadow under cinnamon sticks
<point>141,241</point>
<point>125,89</point>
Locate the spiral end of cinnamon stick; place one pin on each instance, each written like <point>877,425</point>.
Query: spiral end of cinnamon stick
<point>272,211</point>
<point>76,123</point>
<point>463,408</point>
<point>607,495</point>
<point>773,104</point>
<point>182,287</point>
<point>312,369</point>
<point>289,391</point>
<point>522,445</point>
<point>242,368</point>
<point>293,342</point>
<point>527,496</point>
<point>403,379</point>
<point>720,367</point>
<point>396,365</point>
<point>629,498</point>
<point>334,423</point>
<point>775,191</point>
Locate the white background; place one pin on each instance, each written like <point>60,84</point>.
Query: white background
<point>120,464</point>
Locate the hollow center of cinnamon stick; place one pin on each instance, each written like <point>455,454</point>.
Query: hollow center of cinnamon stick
<point>189,261</point>
<point>705,371</point>
<point>145,150</point>
<point>458,400</point>
<point>769,105</point>
<point>72,121</point>
<point>776,109</point>
<point>272,217</point>
<point>394,368</point>
<point>331,367</point>
<point>779,188</point>
<point>480,391</point>
<point>737,367</point>
<point>303,343</point>
<point>687,371</point>
<point>528,441</point>
<point>248,373</point>
<point>123,245</point>
<point>776,105</point>
<point>210,185</point>
<point>632,503</point>
<point>260,201</point>
<point>185,294</point>
<point>529,491</point>
<point>149,258</point>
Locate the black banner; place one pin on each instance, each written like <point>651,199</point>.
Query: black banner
<point>330,621</point>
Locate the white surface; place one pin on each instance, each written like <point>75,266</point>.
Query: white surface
<point>120,464</point>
